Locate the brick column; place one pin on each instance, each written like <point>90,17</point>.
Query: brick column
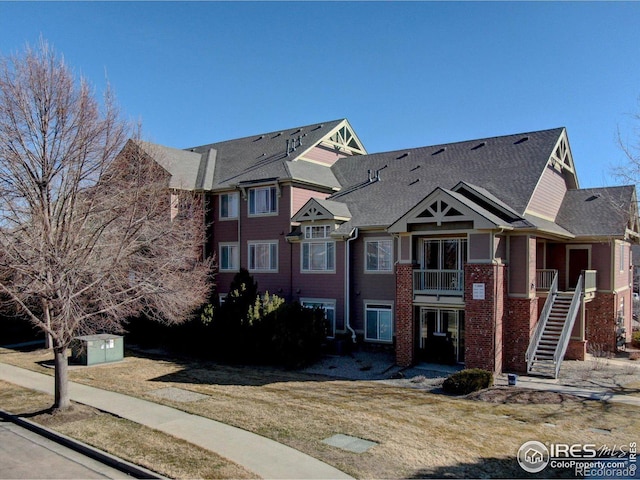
<point>600,328</point>
<point>519,323</point>
<point>405,332</point>
<point>483,316</point>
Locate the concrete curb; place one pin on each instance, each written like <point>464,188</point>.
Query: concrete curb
<point>112,461</point>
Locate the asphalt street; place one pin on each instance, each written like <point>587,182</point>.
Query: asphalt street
<point>24,454</point>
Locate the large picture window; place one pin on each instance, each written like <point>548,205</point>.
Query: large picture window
<point>263,201</point>
<point>379,323</point>
<point>229,205</point>
<point>263,257</point>
<point>379,255</point>
<point>318,257</point>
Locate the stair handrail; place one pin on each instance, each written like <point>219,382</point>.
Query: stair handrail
<point>561,348</point>
<point>542,322</point>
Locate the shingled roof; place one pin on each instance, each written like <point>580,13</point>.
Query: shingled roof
<point>380,188</point>
<point>598,212</point>
<point>273,155</point>
<point>265,156</point>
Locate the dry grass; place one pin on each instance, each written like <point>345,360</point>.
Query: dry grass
<point>138,444</point>
<point>419,434</point>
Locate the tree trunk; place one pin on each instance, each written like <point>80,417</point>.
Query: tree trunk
<point>62,399</point>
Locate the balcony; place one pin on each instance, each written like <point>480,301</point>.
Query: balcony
<point>438,282</point>
<point>544,278</point>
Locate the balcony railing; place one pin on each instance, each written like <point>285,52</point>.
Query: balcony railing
<point>438,282</point>
<point>589,281</point>
<point>544,279</point>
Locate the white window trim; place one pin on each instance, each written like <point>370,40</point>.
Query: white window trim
<point>382,303</point>
<point>236,195</point>
<point>309,229</point>
<point>391,263</point>
<point>326,303</point>
<point>266,214</point>
<point>237,259</point>
<point>277,254</point>
<point>325,270</point>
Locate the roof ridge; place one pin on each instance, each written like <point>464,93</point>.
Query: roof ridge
<point>266,134</point>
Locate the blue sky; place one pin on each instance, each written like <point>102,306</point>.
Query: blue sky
<point>405,74</point>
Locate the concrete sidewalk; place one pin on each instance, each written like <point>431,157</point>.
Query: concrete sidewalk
<point>553,385</point>
<point>265,457</point>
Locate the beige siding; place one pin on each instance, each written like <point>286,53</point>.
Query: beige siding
<point>479,247</point>
<point>518,266</point>
<point>547,198</point>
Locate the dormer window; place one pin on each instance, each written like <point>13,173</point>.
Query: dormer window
<point>317,231</point>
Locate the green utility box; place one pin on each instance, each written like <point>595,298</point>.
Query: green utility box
<point>96,349</point>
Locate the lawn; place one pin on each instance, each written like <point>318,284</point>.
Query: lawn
<point>418,434</point>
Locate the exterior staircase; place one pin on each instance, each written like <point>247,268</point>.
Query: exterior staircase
<point>543,363</point>
<point>553,332</point>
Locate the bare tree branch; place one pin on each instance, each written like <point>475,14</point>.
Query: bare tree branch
<point>86,235</point>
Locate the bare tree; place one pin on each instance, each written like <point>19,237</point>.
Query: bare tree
<point>629,172</point>
<point>87,237</point>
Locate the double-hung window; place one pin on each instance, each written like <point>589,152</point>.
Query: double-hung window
<point>318,255</point>
<point>229,205</point>
<point>379,255</point>
<point>229,257</point>
<point>263,256</point>
<point>379,322</point>
<point>263,201</point>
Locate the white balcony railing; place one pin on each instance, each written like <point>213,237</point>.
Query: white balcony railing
<point>544,279</point>
<point>438,282</point>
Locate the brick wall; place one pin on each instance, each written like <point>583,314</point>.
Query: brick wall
<point>601,322</point>
<point>520,320</point>
<point>405,338</point>
<point>484,317</point>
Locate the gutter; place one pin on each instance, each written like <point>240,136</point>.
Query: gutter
<point>347,286</point>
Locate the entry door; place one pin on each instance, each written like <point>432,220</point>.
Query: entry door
<point>578,261</point>
<point>441,335</point>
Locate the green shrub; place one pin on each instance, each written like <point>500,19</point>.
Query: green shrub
<point>467,381</point>
<point>635,339</point>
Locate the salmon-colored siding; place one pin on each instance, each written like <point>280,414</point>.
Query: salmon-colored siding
<point>368,286</point>
<point>601,256</point>
<point>300,196</point>
<point>548,196</point>
<point>320,286</point>
<point>323,155</point>
<point>622,265</point>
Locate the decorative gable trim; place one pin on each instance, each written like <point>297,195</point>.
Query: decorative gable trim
<point>442,207</point>
<point>313,211</point>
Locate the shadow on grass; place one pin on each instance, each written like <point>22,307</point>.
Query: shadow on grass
<point>209,372</point>
<point>489,468</point>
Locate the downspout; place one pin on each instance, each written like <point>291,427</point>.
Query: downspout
<point>347,289</point>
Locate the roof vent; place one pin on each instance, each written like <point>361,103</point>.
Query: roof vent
<point>415,168</point>
<point>437,152</point>
<point>297,131</point>
<point>259,138</point>
<point>404,155</point>
<point>522,140</point>
<point>415,181</point>
<point>480,145</point>
<point>277,135</point>
<point>319,126</point>
<point>593,197</point>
